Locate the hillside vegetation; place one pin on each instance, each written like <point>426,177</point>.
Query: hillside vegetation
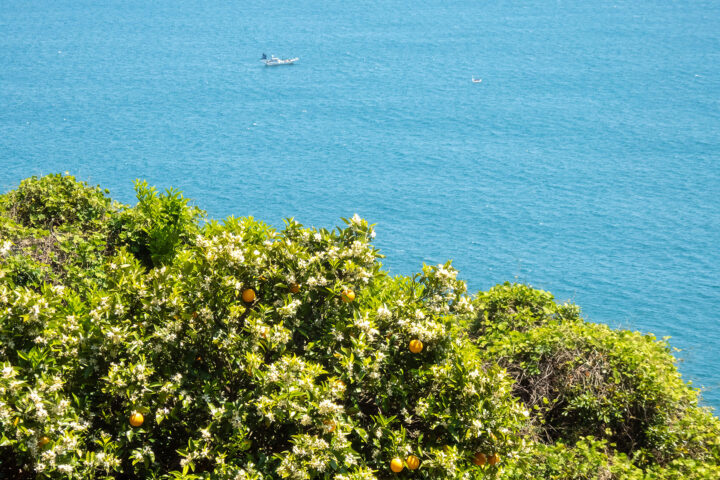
<point>148,342</point>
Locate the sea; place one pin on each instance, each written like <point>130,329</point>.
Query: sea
<point>586,162</point>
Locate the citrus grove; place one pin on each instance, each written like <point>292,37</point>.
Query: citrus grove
<point>148,342</point>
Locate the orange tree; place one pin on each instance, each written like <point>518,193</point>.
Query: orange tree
<point>137,342</point>
<point>246,353</point>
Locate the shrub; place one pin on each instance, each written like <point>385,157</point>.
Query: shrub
<point>55,200</point>
<point>233,350</point>
<point>157,226</point>
<point>516,307</point>
<point>581,379</point>
<point>586,459</point>
<point>295,385</point>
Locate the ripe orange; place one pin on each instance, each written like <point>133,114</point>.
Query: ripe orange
<point>413,462</point>
<point>494,459</point>
<point>294,288</point>
<point>348,296</point>
<point>43,441</point>
<point>416,346</point>
<point>396,465</point>
<point>248,295</point>
<point>479,459</point>
<point>136,419</point>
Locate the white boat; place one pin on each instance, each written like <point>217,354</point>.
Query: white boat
<point>476,80</point>
<point>274,61</point>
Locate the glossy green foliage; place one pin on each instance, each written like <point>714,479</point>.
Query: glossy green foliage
<point>56,200</point>
<point>256,353</point>
<point>515,307</point>
<point>157,226</point>
<point>582,380</point>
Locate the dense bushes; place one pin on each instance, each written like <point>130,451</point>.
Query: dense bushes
<point>151,346</point>
<point>157,226</point>
<point>583,380</point>
<point>56,200</point>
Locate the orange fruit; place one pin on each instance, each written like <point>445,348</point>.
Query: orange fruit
<point>136,419</point>
<point>479,459</point>
<point>413,462</point>
<point>248,295</point>
<point>43,441</point>
<point>348,296</point>
<point>294,288</point>
<point>494,459</point>
<point>416,346</point>
<point>396,465</point>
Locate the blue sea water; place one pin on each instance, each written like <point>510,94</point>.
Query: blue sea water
<point>587,162</point>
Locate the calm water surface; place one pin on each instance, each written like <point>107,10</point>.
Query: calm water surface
<point>587,162</point>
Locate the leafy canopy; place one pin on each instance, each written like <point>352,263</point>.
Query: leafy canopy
<point>142,342</point>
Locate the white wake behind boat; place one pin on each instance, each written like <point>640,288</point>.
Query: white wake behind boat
<point>274,61</point>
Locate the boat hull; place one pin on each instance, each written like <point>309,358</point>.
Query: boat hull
<point>277,63</point>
